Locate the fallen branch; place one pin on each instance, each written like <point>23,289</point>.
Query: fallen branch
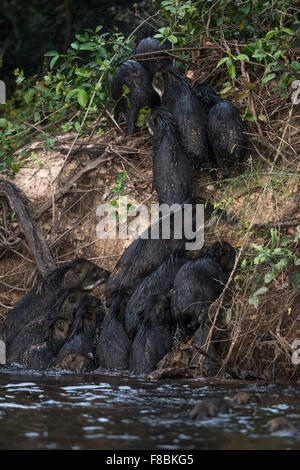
<point>106,156</point>
<point>35,239</point>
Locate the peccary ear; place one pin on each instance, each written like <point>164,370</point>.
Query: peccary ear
<point>215,251</point>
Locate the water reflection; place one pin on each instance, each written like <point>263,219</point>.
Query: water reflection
<point>120,411</point>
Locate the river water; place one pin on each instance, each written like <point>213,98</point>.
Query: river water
<point>60,410</point>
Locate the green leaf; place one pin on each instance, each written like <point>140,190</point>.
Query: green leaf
<point>277,54</point>
<point>141,115</point>
<point>77,127</point>
<point>269,277</point>
<point>295,65</point>
<point>270,34</point>
<point>70,94</point>
<point>288,31</point>
<point>3,123</point>
<point>221,61</point>
<point>53,61</point>
<point>253,301</point>
<point>29,95</point>
<point>75,46</point>
<point>295,280</point>
<point>58,87</point>
<point>88,46</point>
<point>51,53</point>
<point>268,78</point>
<point>231,70</point>
<point>259,54</point>
<point>82,98</point>
<point>172,38</point>
<point>228,315</point>
<point>260,291</point>
<point>242,57</point>
<point>125,90</point>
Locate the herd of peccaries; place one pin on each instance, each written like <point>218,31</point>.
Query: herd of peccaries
<point>157,294</point>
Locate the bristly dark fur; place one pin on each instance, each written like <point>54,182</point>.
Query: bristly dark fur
<point>152,63</point>
<point>224,254</point>
<point>199,283</point>
<point>154,337</point>
<point>225,128</point>
<point>172,168</point>
<point>143,256</point>
<point>78,273</point>
<point>157,283</point>
<point>178,98</point>
<point>82,338</point>
<point>134,76</point>
<point>113,346</point>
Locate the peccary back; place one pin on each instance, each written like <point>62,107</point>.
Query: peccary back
<point>172,168</point>
<point>132,75</point>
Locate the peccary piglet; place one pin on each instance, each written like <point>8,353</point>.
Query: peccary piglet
<point>154,338</point>
<point>77,274</point>
<point>81,344</point>
<point>47,332</point>
<point>225,128</point>
<point>146,253</point>
<point>132,75</point>
<point>177,97</point>
<point>199,283</point>
<point>224,254</point>
<point>172,168</point>
<point>159,282</point>
<point>113,346</point>
<point>155,62</point>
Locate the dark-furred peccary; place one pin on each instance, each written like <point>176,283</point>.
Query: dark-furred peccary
<point>132,75</point>
<point>191,119</point>
<point>172,168</point>
<point>154,337</point>
<point>146,253</point>
<point>155,62</point>
<point>198,284</point>
<point>224,254</point>
<point>225,128</point>
<point>81,345</point>
<point>77,274</point>
<point>113,345</point>
<point>52,328</point>
<point>159,282</point>
<point>38,344</point>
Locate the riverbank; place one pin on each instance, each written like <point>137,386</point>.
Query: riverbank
<point>66,176</point>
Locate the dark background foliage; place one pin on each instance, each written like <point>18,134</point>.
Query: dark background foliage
<point>28,29</point>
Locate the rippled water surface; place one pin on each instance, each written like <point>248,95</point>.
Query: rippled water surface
<point>98,411</point>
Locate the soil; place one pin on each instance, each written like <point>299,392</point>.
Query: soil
<point>264,194</point>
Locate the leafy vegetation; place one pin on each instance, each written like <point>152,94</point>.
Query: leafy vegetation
<point>74,91</point>
<point>244,47</point>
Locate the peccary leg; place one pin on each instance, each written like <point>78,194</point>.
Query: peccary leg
<point>207,363</point>
<point>221,165</point>
<point>131,117</point>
